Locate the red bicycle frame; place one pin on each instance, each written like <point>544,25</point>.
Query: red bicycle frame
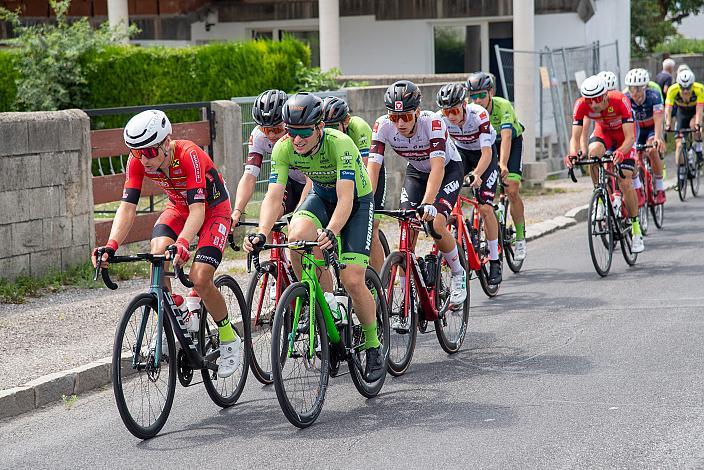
<point>474,259</point>
<point>647,176</point>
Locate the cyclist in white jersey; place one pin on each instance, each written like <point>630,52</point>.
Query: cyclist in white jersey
<point>266,111</point>
<point>434,171</point>
<point>470,128</point>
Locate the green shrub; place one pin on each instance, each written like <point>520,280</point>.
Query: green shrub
<point>680,45</point>
<point>8,76</point>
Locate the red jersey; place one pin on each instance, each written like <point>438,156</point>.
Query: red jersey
<point>191,178</point>
<point>613,117</point>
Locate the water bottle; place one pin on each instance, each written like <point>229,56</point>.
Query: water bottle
<point>335,309</point>
<point>431,268</point>
<point>616,202</point>
<point>191,320</point>
<point>423,270</point>
<point>342,303</point>
<point>500,208</point>
<point>272,292</point>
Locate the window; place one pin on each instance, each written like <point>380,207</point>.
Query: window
<point>312,38</point>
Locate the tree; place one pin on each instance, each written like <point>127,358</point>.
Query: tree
<point>51,60</point>
<point>653,21</point>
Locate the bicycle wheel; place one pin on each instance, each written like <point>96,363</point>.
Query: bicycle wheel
<point>384,243</point>
<point>694,179</point>
<point>301,378</point>
<point>403,320</point>
<point>491,290</point>
<point>144,392</point>
<point>626,241</point>
<point>356,361</point>
<point>682,178</point>
<point>224,392</point>
<point>509,241</point>
<point>259,316</point>
<point>600,232</point>
<point>658,213</point>
<point>452,327</point>
<point>643,210</point>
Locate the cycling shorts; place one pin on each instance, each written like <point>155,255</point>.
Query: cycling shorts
<point>292,195</point>
<point>645,134</point>
<point>684,117</point>
<point>211,237</point>
<point>515,158</point>
<point>490,177</point>
<point>611,140</point>
<point>416,181</point>
<point>356,235</point>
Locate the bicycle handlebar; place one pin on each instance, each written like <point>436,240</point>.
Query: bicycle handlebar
<point>607,158</point>
<point>304,245</point>
<point>178,272</point>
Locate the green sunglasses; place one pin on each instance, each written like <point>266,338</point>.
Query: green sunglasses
<point>478,96</point>
<point>304,133</point>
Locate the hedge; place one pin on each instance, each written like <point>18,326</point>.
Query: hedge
<point>681,46</point>
<point>130,75</point>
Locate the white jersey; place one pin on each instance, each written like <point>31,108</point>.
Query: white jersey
<point>259,147</point>
<point>476,130</point>
<point>429,141</point>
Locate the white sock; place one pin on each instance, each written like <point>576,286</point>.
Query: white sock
<point>453,260</point>
<point>697,145</point>
<point>659,184</point>
<point>636,182</point>
<point>494,249</point>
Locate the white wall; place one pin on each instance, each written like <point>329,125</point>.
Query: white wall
<point>612,21</point>
<point>692,27</point>
<point>559,30</point>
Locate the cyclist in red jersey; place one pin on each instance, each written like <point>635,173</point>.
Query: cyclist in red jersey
<point>198,205</point>
<point>614,130</point>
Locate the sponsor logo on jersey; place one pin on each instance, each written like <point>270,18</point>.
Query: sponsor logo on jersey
<point>376,126</point>
<point>610,109</point>
<point>436,125</point>
<point>251,139</point>
<point>346,174</point>
<point>222,229</point>
<point>175,163</point>
<point>451,187</point>
<point>482,115</point>
<point>398,105</point>
<point>200,195</point>
<point>196,166</point>
<point>446,203</point>
<point>435,144</point>
<point>124,194</point>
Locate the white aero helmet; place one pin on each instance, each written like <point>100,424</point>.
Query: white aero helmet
<point>610,79</point>
<point>637,77</point>
<point>682,67</point>
<point>147,129</point>
<point>593,87</point>
<point>685,78</point>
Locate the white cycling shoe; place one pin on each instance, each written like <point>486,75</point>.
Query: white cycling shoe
<point>229,358</point>
<point>637,246</point>
<point>600,213</point>
<point>459,288</point>
<point>519,253</point>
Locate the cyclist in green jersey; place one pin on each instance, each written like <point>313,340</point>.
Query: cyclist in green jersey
<point>336,115</point>
<point>340,203</point>
<point>510,140</point>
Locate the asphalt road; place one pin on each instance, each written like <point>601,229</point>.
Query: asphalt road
<point>562,370</point>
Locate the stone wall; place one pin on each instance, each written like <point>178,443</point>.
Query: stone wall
<point>46,198</point>
<point>227,145</point>
<point>653,64</point>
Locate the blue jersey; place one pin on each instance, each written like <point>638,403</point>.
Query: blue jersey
<point>643,113</point>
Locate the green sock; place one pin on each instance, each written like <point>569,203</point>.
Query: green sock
<point>371,338</point>
<point>635,226</point>
<point>521,231</point>
<point>227,333</point>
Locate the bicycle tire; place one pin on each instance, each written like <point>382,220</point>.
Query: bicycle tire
<point>509,240</point>
<point>299,418</point>
<point>682,175</point>
<point>224,392</point>
<point>355,334</point>
<point>450,344</point>
<point>658,213</point>
<point>384,244</point>
<point>123,358</point>
<point>397,364</point>
<point>694,180</point>
<point>603,230</point>
<point>643,210</point>
<point>491,290</point>
<point>257,330</point>
<point>626,244</point>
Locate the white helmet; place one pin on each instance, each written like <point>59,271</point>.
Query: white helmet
<point>637,77</point>
<point>610,79</point>
<point>685,78</point>
<point>593,87</point>
<point>147,129</point>
<point>682,67</point>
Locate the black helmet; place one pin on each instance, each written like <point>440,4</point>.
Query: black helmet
<point>266,109</point>
<point>402,96</point>
<point>303,109</point>
<point>480,81</point>
<point>451,95</point>
<point>334,110</point>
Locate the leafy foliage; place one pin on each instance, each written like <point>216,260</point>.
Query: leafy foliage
<point>654,21</point>
<point>679,45</point>
<point>51,63</point>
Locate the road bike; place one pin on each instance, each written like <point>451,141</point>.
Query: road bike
<point>507,229</point>
<point>648,182</point>
<point>145,359</point>
<point>608,221</point>
<point>422,297</point>
<point>690,169</point>
<point>309,340</point>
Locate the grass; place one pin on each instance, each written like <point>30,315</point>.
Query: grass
<point>20,289</point>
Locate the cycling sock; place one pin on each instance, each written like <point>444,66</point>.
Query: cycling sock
<point>636,182</point>
<point>698,146</point>
<point>635,226</point>
<point>494,249</point>
<point>521,231</point>
<point>225,330</point>
<point>371,338</point>
<point>659,183</point>
<point>453,260</point>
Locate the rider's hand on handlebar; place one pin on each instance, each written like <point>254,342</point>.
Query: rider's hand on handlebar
<point>326,239</point>
<point>476,181</point>
<point>667,127</point>
<point>618,156</point>
<point>503,170</point>
<point>660,145</point>
<point>568,160</point>
<point>427,212</point>
<point>253,241</point>
<point>236,214</point>
<point>108,252</point>
<point>182,254</point>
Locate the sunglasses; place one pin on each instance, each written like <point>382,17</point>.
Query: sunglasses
<point>333,125</point>
<point>689,88</point>
<point>272,130</point>
<point>478,96</point>
<point>406,117</point>
<point>303,133</point>
<point>637,89</point>
<point>452,111</point>
<point>148,153</point>
<point>596,100</point>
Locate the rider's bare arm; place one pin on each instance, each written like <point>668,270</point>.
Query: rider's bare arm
<point>485,159</point>
<point>437,173</point>
<point>245,189</point>
<point>505,152</point>
<point>373,169</point>
<point>629,137</point>
<point>124,218</point>
<point>343,209</point>
<point>194,222</point>
<point>271,207</point>
<point>576,139</point>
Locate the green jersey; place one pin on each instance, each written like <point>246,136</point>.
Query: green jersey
<point>360,132</point>
<point>503,116</point>
<point>337,158</point>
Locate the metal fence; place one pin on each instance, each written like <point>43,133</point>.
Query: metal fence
<point>248,126</point>
<point>560,72</point>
